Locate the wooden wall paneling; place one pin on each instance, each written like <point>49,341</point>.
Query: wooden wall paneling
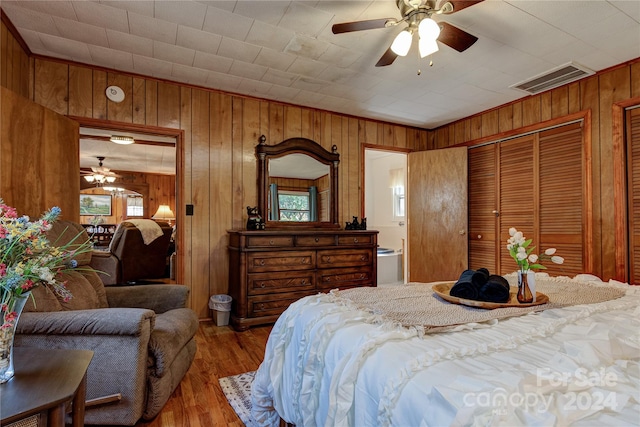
<point>574,98</point>
<point>239,202</point>
<point>99,94</point>
<point>505,118</point>
<point>52,89</point>
<point>635,80</point>
<point>589,94</point>
<point>4,55</point>
<point>368,132</point>
<point>201,239</point>
<point>490,123</point>
<point>80,91</point>
<point>276,124</point>
<point>614,86</point>
<point>531,110</point>
<point>250,134</point>
<point>138,101</point>
<point>334,137</point>
<point>221,183</point>
<point>151,104</point>
<point>306,121</point>
<point>184,246</point>
<point>517,115</point>
<point>121,111</point>
<point>168,105</point>
<point>355,163</point>
<point>292,122</point>
<point>545,106</point>
<point>475,127</point>
<point>560,102</point>
<point>345,168</point>
<point>317,125</point>
<point>388,135</point>
<point>17,72</point>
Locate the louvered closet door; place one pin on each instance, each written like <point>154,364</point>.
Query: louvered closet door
<point>561,198</point>
<point>633,205</point>
<point>483,204</point>
<point>517,194</point>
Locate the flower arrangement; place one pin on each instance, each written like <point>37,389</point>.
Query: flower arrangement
<point>520,251</point>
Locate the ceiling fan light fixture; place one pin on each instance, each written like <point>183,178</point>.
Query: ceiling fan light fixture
<point>428,29</point>
<point>402,43</point>
<point>110,179</point>
<point>89,178</point>
<point>427,47</point>
<point>122,140</point>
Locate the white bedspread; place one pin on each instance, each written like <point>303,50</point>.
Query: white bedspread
<point>329,365</point>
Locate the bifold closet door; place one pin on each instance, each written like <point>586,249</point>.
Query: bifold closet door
<point>633,186</point>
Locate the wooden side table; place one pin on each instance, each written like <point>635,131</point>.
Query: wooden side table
<point>46,380</point>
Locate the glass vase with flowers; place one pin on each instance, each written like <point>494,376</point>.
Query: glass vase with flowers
<point>521,251</point>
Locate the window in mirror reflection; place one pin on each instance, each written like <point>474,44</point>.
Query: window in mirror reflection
<point>293,205</point>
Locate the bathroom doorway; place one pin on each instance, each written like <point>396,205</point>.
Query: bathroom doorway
<point>385,175</point>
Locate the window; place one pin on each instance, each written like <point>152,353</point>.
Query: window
<point>398,203</point>
<point>294,206</point>
<point>135,206</point>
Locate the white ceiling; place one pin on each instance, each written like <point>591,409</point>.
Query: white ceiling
<point>285,50</point>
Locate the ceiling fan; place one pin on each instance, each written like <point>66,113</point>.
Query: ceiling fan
<point>100,174</point>
<point>417,14</point>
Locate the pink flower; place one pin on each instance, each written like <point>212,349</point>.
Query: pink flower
<point>27,285</point>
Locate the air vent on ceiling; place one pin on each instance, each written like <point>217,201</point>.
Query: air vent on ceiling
<point>558,76</point>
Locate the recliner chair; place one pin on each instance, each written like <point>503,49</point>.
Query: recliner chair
<point>129,259</point>
<point>143,337</point>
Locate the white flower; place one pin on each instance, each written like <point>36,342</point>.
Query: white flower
<point>550,251</point>
<point>557,259</point>
<point>512,231</point>
<point>533,258</point>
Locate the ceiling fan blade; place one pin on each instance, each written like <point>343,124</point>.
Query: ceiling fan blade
<point>347,27</point>
<point>387,59</point>
<point>456,38</point>
<point>458,5</point>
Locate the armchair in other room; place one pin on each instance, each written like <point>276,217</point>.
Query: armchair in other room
<point>130,258</point>
<point>143,337</point>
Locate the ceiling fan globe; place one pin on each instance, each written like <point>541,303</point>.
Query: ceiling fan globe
<point>428,29</point>
<point>402,43</point>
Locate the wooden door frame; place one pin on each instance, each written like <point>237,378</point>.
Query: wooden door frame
<point>620,187</point>
<point>178,134</point>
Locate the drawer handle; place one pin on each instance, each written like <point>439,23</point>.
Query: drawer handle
<point>271,242</point>
<point>363,258</point>
<point>262,306</point>
<point>317,240</point>
<point>303,282</point>
<point>261,262</point>
<point>262,285</point>
<point>355,240</point>
<point>362,275</point>
<point>328,259</point>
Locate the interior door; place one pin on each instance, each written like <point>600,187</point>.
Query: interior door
<point>437,243</point>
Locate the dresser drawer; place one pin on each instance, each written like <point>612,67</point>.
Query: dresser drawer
<point>267,283</point>
<point>259,262</point>
<point>343,278</point>
<point>316,240</point>
<point>267,305</point>
<point>355,239</point>
<point>344,258</point>
<point>269,241</point>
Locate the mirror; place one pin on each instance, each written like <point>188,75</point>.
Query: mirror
<point>297,184</point>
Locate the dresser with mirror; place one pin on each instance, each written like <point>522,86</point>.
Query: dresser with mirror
<point>302,249</point>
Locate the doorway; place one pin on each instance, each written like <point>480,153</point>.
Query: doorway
<point>385,175</point>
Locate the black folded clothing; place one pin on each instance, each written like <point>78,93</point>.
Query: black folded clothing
<point>466,287</point>
<point>479,285</point>
<point>495,290</point>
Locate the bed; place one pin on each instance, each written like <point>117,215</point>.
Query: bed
<point>347,358</point>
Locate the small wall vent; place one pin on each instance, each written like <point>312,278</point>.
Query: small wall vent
<point>558,76</point>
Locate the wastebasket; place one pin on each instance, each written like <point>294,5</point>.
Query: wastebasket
<point>221,306</point>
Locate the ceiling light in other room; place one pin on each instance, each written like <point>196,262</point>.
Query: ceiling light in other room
<point>123,140</point>
<point>99,178</point>
<point>402,43</point>
<point>428,29</point>
<point>164,213</point>
<point>427,47</point>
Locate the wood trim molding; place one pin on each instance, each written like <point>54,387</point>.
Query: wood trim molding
<point>620,186</point>
<point>363,148</point>
<point>178,134</point>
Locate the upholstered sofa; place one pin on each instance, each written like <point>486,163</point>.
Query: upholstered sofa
<point>143,337</point>
<point>129,258</point>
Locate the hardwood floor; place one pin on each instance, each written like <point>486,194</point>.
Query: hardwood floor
<point>199,400</point>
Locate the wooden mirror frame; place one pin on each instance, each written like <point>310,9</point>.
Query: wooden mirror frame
<point>312,149</point>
